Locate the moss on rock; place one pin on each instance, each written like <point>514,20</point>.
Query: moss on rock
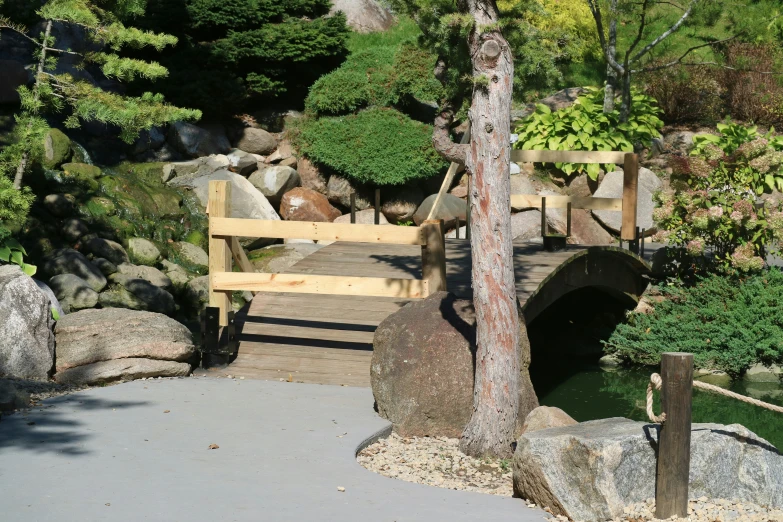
<point>57,149</point>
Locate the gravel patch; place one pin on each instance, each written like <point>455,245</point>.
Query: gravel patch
<point>436,461</point>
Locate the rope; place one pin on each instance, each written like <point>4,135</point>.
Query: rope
<point>657,383</point>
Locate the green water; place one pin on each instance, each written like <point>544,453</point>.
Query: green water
<point>589,392</point>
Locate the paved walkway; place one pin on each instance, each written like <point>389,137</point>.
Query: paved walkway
<point>114,454</point>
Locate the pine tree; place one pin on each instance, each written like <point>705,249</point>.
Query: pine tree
<point>78,99</point>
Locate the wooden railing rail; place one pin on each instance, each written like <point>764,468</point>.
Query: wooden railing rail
<point>224,245</point>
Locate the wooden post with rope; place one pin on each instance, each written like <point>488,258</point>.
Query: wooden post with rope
<point>674,441</point>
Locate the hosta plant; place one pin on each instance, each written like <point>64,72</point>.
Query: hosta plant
<point>584,126</point>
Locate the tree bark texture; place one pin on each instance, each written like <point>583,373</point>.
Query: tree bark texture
<point>41,62</point>
<point>496,400</point>
<point>611,73</point>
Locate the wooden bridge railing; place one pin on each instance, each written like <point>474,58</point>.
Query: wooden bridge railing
<point>626,204</point>
<point>224,245</point>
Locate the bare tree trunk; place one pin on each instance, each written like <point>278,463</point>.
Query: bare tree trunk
<point>490,430</point>
<point>611,74</point>
<point>26,155</point>
<point>625,98</point>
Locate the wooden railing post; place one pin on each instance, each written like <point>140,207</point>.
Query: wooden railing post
<point>674,441</point>
<point>433,256</point>
<point>219,247</point>
<point>630,196</point>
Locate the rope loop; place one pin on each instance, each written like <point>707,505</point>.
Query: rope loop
<point>657,383</point>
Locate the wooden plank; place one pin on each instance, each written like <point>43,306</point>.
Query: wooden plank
<point>446,185</point>
<point>316,231</point>
<point>566,156</point>
<point>522,201</point>
<point>240,257</point>
<point>219,249</point>
<point>630,196</point>
<point>259,350</point>
<point>320,284</point>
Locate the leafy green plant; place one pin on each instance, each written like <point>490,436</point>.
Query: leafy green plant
<point>584,126</point>
<point>376,146</point>
<point>12,252</point>
<point>712,207</point>
<point>728,323</point>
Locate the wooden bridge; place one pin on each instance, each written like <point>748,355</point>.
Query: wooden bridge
<point>315,323</point>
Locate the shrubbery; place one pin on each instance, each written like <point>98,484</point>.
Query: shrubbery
<point>584,126</point>
<point>728,324</point>
<point>377,146</point>
<point>712,206</point>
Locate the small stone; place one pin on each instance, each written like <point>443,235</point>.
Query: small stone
<point>341,489</point>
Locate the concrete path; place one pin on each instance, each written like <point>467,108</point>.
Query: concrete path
<point>115,454</point>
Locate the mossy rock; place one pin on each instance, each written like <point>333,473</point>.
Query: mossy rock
<point>196,237</point>
<point>72,182</point>
<point>57,149</point>
<point>191,257</point>
<point>81,170</point>
<point>98,207</point>
<point>151,199</point>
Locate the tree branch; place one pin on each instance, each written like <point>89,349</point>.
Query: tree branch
<point>647,48</point>
<point>598,17</point>
<point>638,38</point>
<point>686,53</point>
<point>5,24</point>
<point>441,139</point>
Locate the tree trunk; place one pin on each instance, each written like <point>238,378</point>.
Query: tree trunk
<point>491,428</point>
<point>625,98</point>
<point>36,96</point>
<point>611,74</point>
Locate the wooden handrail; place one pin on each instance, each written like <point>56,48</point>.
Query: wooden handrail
<point>523,201</point>
<point>568,156</point>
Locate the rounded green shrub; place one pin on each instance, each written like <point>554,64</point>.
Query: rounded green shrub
<point>376,146</point>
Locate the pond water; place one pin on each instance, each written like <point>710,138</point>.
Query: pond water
<point>586,392</point>
<point>566,344</point>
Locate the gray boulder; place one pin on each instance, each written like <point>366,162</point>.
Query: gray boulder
<point>122,370</point>
<point>106,267</point>
<point>73,229</point>
<point>399,204</point>
<point>451,208</point>
<point>195,141</point>
<point>54,303</point>
<point>363,217</point>
<point>545,417</point>
<point>107,249</point>
<point>242,162</point>
<point>526,225</point>
<point>181,168</point>
<point>257,141</point>
<point>142,251</point>
<point>26,338</point>
<point>92,336</point>
<point>138,294</point>
<point>422,368</point>
<point>521,184</point>
<point>12,398</point>
<point>612,187</point>
<point>59,205</point>
<point>69,261</point>
<point>339,189</point>
<point>364,16</point>
<point>311,176</point>
<point>191,255</point>
<point>275,181</point>
<point>73,292</point>
<point>592,470</point>
<point>246,200</point>
<point>197,293</point>
<point>279,258</point>
<point>126,272</point>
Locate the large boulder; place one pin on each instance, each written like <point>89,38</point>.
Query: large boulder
<point>364,217</point>
<point>592,470</point>
<point>197,293</point>
<point>339,190</point>
<point>422,368</point>
<point>59,205</point>
<point>526,225</point>
<point>138,294</point>
<point>127,271</point>
<point>242,163</point>
<point>301,204</point>
<point>106,249</point>
<point>399,204</point>
<point>69,261</point>
<point>257,141</point>
<point>612,187</point>
<point>73,292</point>
<point>122,370</point>
<point>26,338</point>
<point>364,16</point>
<point>191,256</point>
<point>450,209</point>
<point>586,231</point>
<point>275,181</point>
<point>246,201</point>
<point>521,184</point>
<point>194,141</point>
<point>73,229</point>
<point>276,259</point>
<point>545,417</point>
<point>14,76</point>
<point>311,176</point>
<point>143,251</point>
<point>91,336</point>
<point>57,149</point>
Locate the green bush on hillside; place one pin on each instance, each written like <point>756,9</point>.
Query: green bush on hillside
<point>728,324</point>
<point>376,146</point>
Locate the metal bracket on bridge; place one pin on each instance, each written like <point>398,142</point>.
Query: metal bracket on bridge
<point>216,346</point>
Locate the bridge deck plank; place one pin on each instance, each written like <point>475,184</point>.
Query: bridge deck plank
<point>327,339</point>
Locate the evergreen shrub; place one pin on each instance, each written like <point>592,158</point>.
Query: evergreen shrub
<point>728,323</point>
<point>378,146</point>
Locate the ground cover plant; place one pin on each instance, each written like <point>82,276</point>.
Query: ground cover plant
<point>728,323</point>
<point>712,208</point>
